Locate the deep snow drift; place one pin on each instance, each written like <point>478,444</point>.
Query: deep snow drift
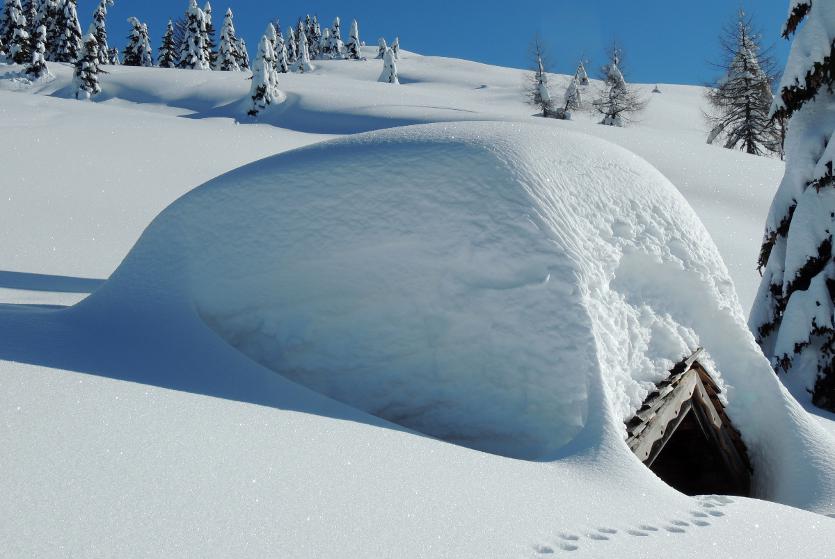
<point>507,287</point>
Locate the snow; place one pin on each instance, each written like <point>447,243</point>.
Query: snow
<point>131,428</point>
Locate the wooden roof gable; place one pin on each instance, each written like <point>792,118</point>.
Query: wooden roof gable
<point>688,389</point>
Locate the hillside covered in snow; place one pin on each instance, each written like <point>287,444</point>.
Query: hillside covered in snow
<point>396,321</point>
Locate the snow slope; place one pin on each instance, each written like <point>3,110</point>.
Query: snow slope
<point>730,191</point>
<point>129,432</point>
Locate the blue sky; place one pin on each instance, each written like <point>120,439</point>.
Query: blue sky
<point>669,41</point>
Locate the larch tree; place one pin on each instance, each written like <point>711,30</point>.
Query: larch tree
<point>37,69</point>
<point>581,75</point>
<point>538,90</point>
<point>138,51</point>
<point>573,100</point>
<point>617,101</point>
<point>389,74</point>
<point>792,316</point>
<point>100,24</point>
<point>194,52</point>
<point>228,56</point>
<point>264,90</point>
<point>167,53</point>
<point>352,48</point>
<point>740,102</point>
<point>86,75</point>
<point>69,39</point>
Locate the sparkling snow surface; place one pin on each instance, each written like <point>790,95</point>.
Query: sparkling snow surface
<point>129,427</point>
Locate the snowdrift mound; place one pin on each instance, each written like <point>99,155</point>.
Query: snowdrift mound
<point>511,288</point>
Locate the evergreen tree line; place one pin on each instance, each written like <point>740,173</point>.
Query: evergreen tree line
<point>190,42</point>
<point>280,53</point>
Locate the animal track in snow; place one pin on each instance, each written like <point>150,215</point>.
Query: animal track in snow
<point>701,523</point>
<point>569,537</point>
<point>636,533</point>
<point>648,528</point>
<point>597,536</point>
<point>674,529</point>
<point>543,549</point>
<point>568,547</point>
<point>607,530</point>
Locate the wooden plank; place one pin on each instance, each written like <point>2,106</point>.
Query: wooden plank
<point>642,444</point>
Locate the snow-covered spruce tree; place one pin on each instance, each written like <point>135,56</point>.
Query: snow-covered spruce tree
<point>315,37</point>
<point>580,75</point>
<point>264,90</point>
<point>138,51</point>
<point>86,76</point>
<point>352,49</point>
<point>69,39</point>
<point>395,48</point>
<point>2,50</point>
<point>303,64</point>
<point>113,56</point>
<point>243,54</point>
<point>100,23</point>
<point>337,47</point>
<point>538,91</point>
<point>292,46</point>
<point>30,12</point>
<point>282,63</point>
<point>17,38</point>
<point>740,102</point>
<point>167,53</point>
<point>792,316</point>
<point>37,69</point>
<point>211,40</point>
<point>4,19</point>
<point>617,101</point>
<point>298,34</point>
<point>228,56</point>
<point>43,15</point>
<point>389,74</point>
<point>194,53</point>
<point>382,47</point>
<point>325,45</point>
